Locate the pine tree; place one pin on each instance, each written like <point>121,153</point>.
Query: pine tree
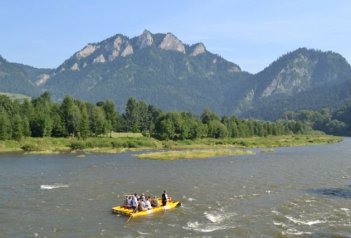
<point>17,128</point>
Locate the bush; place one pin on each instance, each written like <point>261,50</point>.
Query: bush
<point>29,148</point>
<point>78,145</point>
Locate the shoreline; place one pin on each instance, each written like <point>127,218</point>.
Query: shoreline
<point>123,144</point>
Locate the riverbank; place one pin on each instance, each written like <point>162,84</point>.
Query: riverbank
<point>121,142</point>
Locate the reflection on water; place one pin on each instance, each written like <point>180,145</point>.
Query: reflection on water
<point>290,192</point>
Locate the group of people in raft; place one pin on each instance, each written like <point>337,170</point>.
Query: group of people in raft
<point>144,203</point>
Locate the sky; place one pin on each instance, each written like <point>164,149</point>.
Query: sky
<point>250,33</point>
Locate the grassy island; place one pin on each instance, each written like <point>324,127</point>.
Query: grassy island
<point>193,154</point>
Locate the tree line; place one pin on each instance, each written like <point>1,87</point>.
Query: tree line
<point>42,117</point>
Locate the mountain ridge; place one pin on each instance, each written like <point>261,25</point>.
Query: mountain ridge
<point>162,70</point>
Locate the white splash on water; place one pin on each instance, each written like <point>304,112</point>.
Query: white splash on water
<point>216,220</point>
<point>275,212</point>
<point>293,231</point>
<point>280,224</point>
<point>205,228</point>
<point>143,233</point>
<point>302,222</point>
<point>214,217</point>
<point>53,186</point>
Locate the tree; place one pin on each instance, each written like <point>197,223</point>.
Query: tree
<point>26,127</point>
<point>5,125</point>
<point>17,127</point>
<point>132,115</point>
<point>84,125</point>
<point>216,129</point>
<point>58,126</point>
<point>207,116</point>
<point>97,121</point>
<point>71,116</point>
<point>41,124</point>
<point>110,113</point>
<point>164,128</point>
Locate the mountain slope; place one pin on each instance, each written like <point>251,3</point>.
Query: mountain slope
<point>303,79</point>
<point>19,78</point>
<point>157,68</point>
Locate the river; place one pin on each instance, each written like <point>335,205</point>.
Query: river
<point>290,192</point>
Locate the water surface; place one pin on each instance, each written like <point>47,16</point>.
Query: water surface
<point>291,192</point>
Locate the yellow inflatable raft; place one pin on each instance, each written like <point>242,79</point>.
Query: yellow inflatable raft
<point>129,211</point>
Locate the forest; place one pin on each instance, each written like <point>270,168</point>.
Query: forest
<point>42,117</point>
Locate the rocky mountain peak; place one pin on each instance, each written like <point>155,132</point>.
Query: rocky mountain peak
<point>198,49</point>
<point>144,40</point>
<point>170,42</point>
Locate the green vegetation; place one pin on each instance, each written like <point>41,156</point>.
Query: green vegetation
<point>44,125</point>
<point>41,117</point>
<point>335,123</point>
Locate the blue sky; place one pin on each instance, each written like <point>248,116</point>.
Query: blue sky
<point>252,34</point>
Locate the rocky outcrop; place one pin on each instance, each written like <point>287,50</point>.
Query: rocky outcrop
<point>42,79</point>
<point>116,48</point>
<point>75,67</point>
<point>295,77</point>
<point>170,42</point>
<point>198,49</point>
<point>86,51</point>
<point>99,59</point>
<point>144,40</point>
<point>234,69</point>
<point>127,51</point>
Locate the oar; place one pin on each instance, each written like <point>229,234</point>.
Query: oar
<point>129,219</point>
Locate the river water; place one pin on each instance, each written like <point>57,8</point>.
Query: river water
<point>290,192</point>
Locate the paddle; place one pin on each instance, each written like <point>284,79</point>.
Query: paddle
<point>129,219</point>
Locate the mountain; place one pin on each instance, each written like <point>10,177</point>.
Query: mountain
<point>157,68</point>
<point>19,78</point>
<point>302,79</point>
<point>163,71</point>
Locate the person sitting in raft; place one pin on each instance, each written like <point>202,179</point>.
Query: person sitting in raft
<point>148,203</point>
<point>164,198</point>
<point>128,201</point>
<point>142,197</point>
<point>125,203</point>
<point>134,202</point>
<point>154,202</point>
<point>141,206</point>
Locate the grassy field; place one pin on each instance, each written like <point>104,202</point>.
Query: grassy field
<point>135,141</point>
